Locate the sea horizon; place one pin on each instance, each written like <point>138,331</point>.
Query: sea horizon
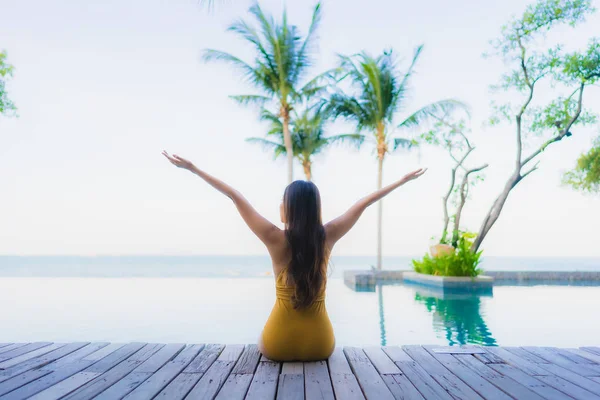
<point>245,266</point>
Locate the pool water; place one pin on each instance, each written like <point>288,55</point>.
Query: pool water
<point>234,310</point>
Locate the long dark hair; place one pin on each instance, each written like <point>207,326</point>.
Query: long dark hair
<point>306,235</point>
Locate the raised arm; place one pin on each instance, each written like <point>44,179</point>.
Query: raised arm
<point>337,228</point>
<point>265,230</point>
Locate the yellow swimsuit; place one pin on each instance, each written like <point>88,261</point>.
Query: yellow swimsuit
<point>297,335</point>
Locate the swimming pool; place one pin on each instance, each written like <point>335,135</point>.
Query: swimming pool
<point>233,310</point>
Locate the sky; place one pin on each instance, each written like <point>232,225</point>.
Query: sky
<point>103,87</point>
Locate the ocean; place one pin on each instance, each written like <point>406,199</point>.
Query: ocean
<point>207,266</point>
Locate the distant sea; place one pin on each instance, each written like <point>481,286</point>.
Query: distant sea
<point>240,266</point>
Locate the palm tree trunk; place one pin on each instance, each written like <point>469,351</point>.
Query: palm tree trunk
<point>306,164</point>
<point>287,140</point>
<point>379,211</point>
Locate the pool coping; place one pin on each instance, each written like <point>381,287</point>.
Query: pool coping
<point>369,278</point>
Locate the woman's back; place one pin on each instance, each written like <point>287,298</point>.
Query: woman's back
<point>297,333</point>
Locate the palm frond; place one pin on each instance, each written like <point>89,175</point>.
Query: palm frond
<point>432,111</point>
<point>302,59</point>
<point>342,105</point>
<point>402,143</point>
<point>278,148</point>
<point>353,139</point>
<point>216,55</point>
<point>250,99</point>
<point>402,87</point>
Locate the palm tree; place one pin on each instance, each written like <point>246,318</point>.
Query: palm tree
<point>379,93</point>
<point>308,136</point>
<point>282,59</point>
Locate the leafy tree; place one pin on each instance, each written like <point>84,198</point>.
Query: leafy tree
<point>378,91</point>
<point>530,65</point>
<point>586,175</point>
<point>452,135</point>
<point>308,136</point>
<point>7,107</point>
<point>282,59</point>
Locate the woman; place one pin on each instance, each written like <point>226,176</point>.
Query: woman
<point>298,328</point>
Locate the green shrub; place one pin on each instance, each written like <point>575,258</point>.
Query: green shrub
<point>462,263</point>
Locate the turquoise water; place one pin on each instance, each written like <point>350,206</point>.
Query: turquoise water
<point>146,299</point>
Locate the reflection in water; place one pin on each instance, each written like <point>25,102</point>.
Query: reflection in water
<point>381,315</point>
<point>458,315</point>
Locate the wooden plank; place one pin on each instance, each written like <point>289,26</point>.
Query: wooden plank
<point>210,383</point>
<point>28,356</point>
<point>573,377</point>
<point>238,382</point>
<point>291,387</point>
<point>11,347</point>
<point>264,382</point>
<point>401,387</point>
<point>595,378</point>
<point>397,355</point>
<point>25,372</point>
<point>5,344</point>
<point>159,380</point>
<point>457,350</point>
<point>345,385</point>
<point>566,377</point>
<point>205,359</point>
<point>381,361</point>
<point>416,374</point>
<point>122,354</point>
<point>509,386</point>
<point>59,371</point>
<point>473,379</point>
<point>450,382</point>
<point>488,358</point>
<point>572,356</point>
<point>593,350</point>
<point>317,382</point>
<point>582,353</point>
<point>533,384</point>
<point>527,355</point>
<point>22,350</point>
<point>36,386</point>
<point>142,372</point>
<point>292,368</point>
<point>68,385</point>
<point>569,388</point>
<point>103,352</point>
<point>369,380</point>
<point>552,358</point>
<point>516,361</point>
<point>160,358</point>
<point>112,368</point>
<point>235,387</point>
<point>248,360</point>
<point>68,355</point>
<point>65,387</point>
<point>21,380</point>
<point>185,381</point>
<point>396,382</point>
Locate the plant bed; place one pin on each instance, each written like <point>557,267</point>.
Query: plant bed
<point>450,282</point>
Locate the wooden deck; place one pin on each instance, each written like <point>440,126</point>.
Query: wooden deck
<point>46,370</point>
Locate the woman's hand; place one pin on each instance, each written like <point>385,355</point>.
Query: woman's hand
<point>178,161</point>
<point>413,175</point>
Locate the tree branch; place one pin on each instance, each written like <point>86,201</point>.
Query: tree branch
<point>563,133</point>
<point>535,167</point>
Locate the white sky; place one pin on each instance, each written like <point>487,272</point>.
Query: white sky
<point>103,87</point>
